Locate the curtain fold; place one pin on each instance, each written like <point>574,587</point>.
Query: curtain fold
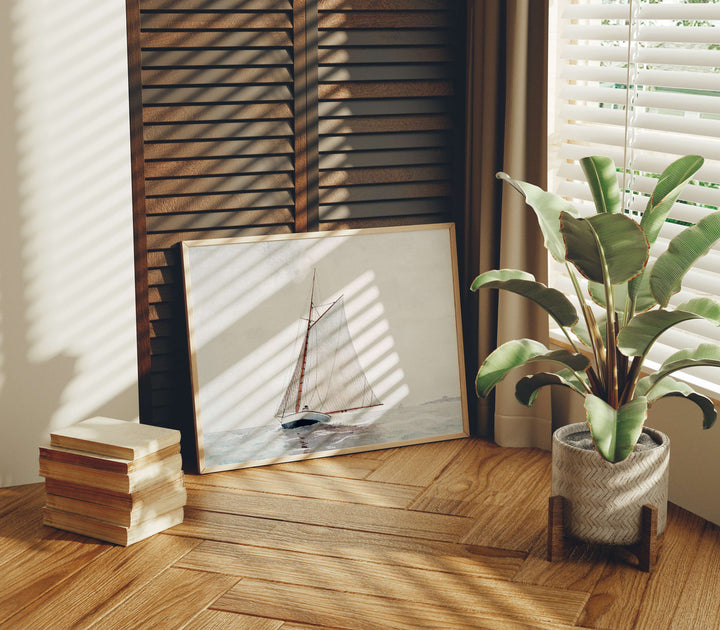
<point>506,130</point>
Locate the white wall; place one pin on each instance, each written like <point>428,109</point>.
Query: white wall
<point>67,329</point>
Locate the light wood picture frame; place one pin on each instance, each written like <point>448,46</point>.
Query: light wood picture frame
<point>323,343</point>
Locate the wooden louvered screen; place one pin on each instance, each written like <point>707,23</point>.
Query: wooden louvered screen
<point>259,116</point>
<point>387,108</point>
<point>218,134</point>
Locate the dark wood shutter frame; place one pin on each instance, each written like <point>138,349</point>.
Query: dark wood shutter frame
<point>138,201</point>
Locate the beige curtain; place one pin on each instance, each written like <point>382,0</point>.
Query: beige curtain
<point>506,101</point>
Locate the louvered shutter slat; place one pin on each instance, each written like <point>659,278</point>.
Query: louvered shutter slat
<point>386,92</point>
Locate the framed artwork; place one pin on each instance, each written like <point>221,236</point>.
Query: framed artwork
<point>323,343</point>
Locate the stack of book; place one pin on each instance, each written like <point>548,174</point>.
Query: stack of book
<point>113,480</point>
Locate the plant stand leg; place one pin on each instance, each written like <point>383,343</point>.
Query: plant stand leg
<point>556,528</point>
<point>648,547</point>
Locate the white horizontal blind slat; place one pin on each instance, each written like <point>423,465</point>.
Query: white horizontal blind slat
<point>594,52</point>
<point>661,60</point>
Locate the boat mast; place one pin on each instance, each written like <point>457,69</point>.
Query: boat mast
<point>305,347</point>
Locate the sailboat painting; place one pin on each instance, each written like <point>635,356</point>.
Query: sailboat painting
<point>325,343</point>
<point>328,378</point>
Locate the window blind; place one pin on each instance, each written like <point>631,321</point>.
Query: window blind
<point>639,81</point>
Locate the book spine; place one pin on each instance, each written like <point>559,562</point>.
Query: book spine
<point>86,526</point>
<point>120,500</point>
<point>149,475</point>
<point>105,462</point>
<point>108,532</point>
<point>169,501</point>
<point>76,458</point>
<point>98,448</point>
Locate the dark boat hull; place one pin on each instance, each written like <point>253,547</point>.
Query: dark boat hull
<point>303,419</point>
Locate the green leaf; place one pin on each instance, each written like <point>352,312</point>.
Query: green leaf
<point>639,288</point>
<point>704,307</point>
<point>643,298</point>
<point>670,387</point>
<point>601,175</point>
<point>597,293</point>
<point>547,207</point>
<point>667,190</point>
<point>615,431</point>
<point>639,335</point>
<point>705,355</point>
<point>605,244</point>
<point>502,360</point>
<point>682,253</point>
<point>526,389</point>
<point>523,283</point>
<point>577,362</point>
<point>518,352</point>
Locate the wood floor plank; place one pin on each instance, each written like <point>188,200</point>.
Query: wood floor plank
<point>15,498</point>
<point>673,572</point>
<point>208,525</point>
<point>221,620</point>
<point>382,454</point>
<point>508,527</point>
<point>401,466</point>
<point>477,478</point>
<point>354,466</point>
<point>616,601</point>
<point>452,610</point>
<point>332,513</point>
<point>699,604</point>
<point>109,580</point>
<point>43,566</point>
<point>343,543</point>
<point>21,526</point>
<point>300,484</point>
<point>304,626</point>
<point>380,579</point>
<point>581,571</point>
<point>167,602</point>
<point>476,484</point>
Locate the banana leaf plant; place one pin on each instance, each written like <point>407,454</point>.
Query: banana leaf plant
<point>606,356</point>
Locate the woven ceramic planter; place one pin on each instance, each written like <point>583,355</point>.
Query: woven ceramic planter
<point>604,500</point>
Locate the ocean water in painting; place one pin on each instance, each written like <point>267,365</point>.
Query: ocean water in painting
<point>366,428</point>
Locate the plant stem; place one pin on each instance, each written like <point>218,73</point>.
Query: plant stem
<point>629,310</point>
<point>570,339</point>
<point>611,377</point>
<point>595,340</point>
<point>633,373</point>
<point>622,368</point>
<point>595,384</point>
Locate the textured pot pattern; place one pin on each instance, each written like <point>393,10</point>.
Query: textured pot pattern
<point>604,500</point>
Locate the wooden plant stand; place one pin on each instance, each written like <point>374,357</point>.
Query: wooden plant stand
<point>646,550</point>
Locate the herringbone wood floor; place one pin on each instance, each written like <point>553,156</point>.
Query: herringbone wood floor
<point>448,536</point>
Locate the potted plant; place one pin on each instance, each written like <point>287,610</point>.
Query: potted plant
<point>607,483</point>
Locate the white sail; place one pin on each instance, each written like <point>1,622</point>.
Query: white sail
<point>328,377</point>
